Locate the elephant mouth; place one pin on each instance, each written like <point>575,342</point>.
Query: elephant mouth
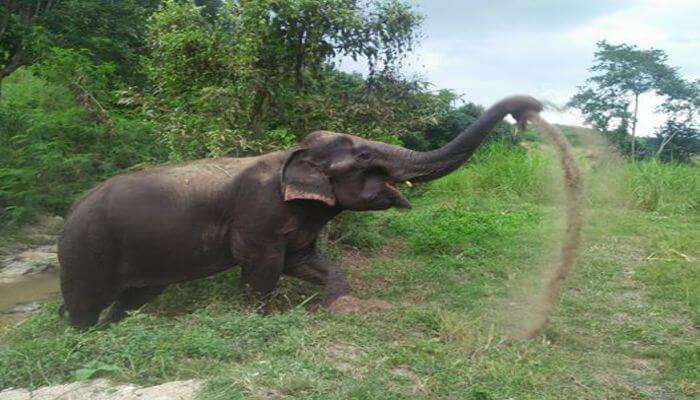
<point>398,199</point>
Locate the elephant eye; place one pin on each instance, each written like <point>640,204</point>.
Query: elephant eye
<point>364,156</point>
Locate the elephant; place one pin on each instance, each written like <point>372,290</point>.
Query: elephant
<point>133,235</point>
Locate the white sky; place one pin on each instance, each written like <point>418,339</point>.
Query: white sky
<point>488,49</point>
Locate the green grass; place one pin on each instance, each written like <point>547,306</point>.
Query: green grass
<point>454,268</point>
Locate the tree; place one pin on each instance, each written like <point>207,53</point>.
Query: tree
<point>224,80</point>
<point>111,31</point>
<point>452,122</point>
<point>622,73</point>
<point>679,138</point>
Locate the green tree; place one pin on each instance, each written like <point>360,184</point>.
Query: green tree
<point>110,31</point>
<point>621,74</point>
<point>223,81</point>
<point>677,141</point>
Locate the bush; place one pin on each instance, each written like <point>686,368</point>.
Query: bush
<point>52,149</point>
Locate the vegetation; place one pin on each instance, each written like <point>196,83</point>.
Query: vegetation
<point>460,270</point>
<point>91,88</point>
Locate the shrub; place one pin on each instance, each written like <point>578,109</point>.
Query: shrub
<point>52,149</point>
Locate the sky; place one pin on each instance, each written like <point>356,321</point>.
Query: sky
<point>489,49</point>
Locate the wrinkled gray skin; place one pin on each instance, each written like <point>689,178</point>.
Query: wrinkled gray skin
<point>136,233</point>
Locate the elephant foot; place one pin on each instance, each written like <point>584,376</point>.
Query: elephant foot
<point>352,305</point>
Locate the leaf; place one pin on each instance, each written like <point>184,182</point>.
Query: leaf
<point>92,368</point>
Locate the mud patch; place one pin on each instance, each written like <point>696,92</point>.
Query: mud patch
<point>345,357</point>
<point>353,258</point>
<point>353,305</point>
<point>29,271</point>
<point>30,261</point>
<point>410,381</point>
<point>19,295</point>
<point>264,394</point>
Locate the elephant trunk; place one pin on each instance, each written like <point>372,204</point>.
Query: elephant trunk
<point>403,164</point>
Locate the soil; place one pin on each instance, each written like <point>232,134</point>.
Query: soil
<point>353,305</point>
<point>574,221</point>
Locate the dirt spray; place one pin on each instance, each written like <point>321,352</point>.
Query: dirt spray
<point>574,221</point>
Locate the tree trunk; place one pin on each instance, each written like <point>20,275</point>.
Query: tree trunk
<point>664,143</point>
<point>670,137</point>
<point>299,62</point>
<point>93,106</point>
<point>634,126</point>
<point>260,107</point>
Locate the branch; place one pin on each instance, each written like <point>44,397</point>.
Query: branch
<point>5,22</point>
<point>18,59</point>
<point>664,143</point>
<point>89,102</point>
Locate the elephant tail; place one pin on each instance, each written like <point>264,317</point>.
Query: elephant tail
<point>62,311</point>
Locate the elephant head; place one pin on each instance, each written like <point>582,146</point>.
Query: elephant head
<point>353,173</point>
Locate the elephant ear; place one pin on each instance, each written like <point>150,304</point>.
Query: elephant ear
<point>303,180</point>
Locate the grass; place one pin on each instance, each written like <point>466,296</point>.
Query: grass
<point>454,268</point>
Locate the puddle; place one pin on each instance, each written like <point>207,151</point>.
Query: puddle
<point>26,289</point>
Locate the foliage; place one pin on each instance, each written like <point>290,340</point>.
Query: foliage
<point>256,66</point>
<point>108,31</point>
<point>677,141</point>
<point>679,138</point>
<point>452,124</point>
<point>20,32</point>
<point>621,74</point>
<point>52,148</point>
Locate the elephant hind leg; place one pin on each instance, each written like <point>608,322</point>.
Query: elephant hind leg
<point>131,299</point>
<point>85,312</point>
<point>84,303</point>
<point>84,318</point>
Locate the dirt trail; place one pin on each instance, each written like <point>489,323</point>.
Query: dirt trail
<point>102,389</point>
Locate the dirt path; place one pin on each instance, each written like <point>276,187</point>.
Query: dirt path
<point>623,331</point>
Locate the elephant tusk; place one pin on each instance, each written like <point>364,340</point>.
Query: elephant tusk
<point>409,184</point>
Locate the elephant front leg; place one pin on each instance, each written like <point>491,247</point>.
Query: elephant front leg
<point>261,271</point>
<point>315,268</point>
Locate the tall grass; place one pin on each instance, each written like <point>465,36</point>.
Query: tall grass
<point>476,204</point>
<point>499,170</point>
<point>666,188</point>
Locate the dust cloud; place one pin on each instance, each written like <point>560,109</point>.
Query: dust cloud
<point>544,305</point>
